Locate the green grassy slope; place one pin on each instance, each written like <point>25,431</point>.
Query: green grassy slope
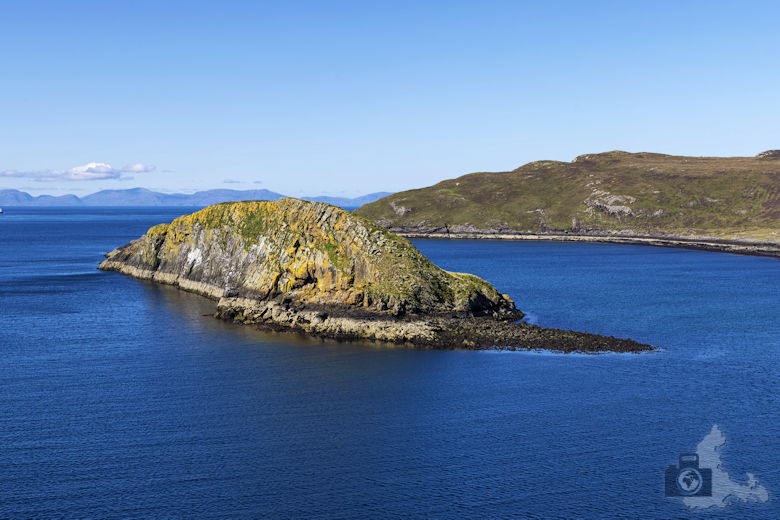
<point>735,198</point>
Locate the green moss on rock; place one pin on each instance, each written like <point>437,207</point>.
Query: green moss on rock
<point>312,253</point>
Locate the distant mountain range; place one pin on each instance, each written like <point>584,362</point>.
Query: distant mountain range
<point>144,197</point>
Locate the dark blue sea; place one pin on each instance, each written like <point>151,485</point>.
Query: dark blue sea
<point>123,399</point>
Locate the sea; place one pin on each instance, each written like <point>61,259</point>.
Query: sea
<point>120,398</point>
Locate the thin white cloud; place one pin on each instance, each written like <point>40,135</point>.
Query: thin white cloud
<point>88,172</point>
<point>93,171</point>
<point>138,168</point>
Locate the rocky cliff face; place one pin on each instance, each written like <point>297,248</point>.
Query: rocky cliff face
<point>312,253</point>
<point>316,268</point>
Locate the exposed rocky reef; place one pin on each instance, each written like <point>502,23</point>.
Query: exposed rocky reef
<point>315,268</point>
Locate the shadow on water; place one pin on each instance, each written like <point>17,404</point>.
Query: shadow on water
<point>198,312</point>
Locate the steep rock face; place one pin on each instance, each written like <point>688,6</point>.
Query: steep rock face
<point>308,253</point>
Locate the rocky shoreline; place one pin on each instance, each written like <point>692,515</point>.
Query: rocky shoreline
<point>436,332</point>
<point>714,245</point>
<point>444,332</point>
<point>317,269</point>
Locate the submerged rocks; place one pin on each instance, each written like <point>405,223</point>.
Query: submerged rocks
<point>319,269</point>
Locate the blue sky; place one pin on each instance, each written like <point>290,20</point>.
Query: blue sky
<point>352,97</point>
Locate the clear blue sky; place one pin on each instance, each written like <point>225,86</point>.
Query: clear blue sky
<point>354,97</point>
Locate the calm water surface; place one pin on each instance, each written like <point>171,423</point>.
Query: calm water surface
<point>119,398</point>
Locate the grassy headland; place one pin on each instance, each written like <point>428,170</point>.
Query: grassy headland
<point>729,199</point>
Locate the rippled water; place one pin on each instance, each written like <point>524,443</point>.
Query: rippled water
<point>120,398</point>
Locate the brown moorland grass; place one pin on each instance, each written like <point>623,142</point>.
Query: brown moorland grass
<point>642,194</point>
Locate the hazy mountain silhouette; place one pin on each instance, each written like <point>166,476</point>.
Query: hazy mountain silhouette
<point>144,197</point>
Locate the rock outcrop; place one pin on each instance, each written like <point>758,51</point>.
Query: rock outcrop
<point>316,268</point>
<point>769,154</point>
<point>729,204</point>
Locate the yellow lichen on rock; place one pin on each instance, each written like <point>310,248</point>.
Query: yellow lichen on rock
<point>309,252</point>
<point>317,268</point>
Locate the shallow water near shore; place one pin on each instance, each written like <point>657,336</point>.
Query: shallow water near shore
<point>121,398</point>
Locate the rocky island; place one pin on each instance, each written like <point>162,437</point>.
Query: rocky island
<point>318,269</point>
